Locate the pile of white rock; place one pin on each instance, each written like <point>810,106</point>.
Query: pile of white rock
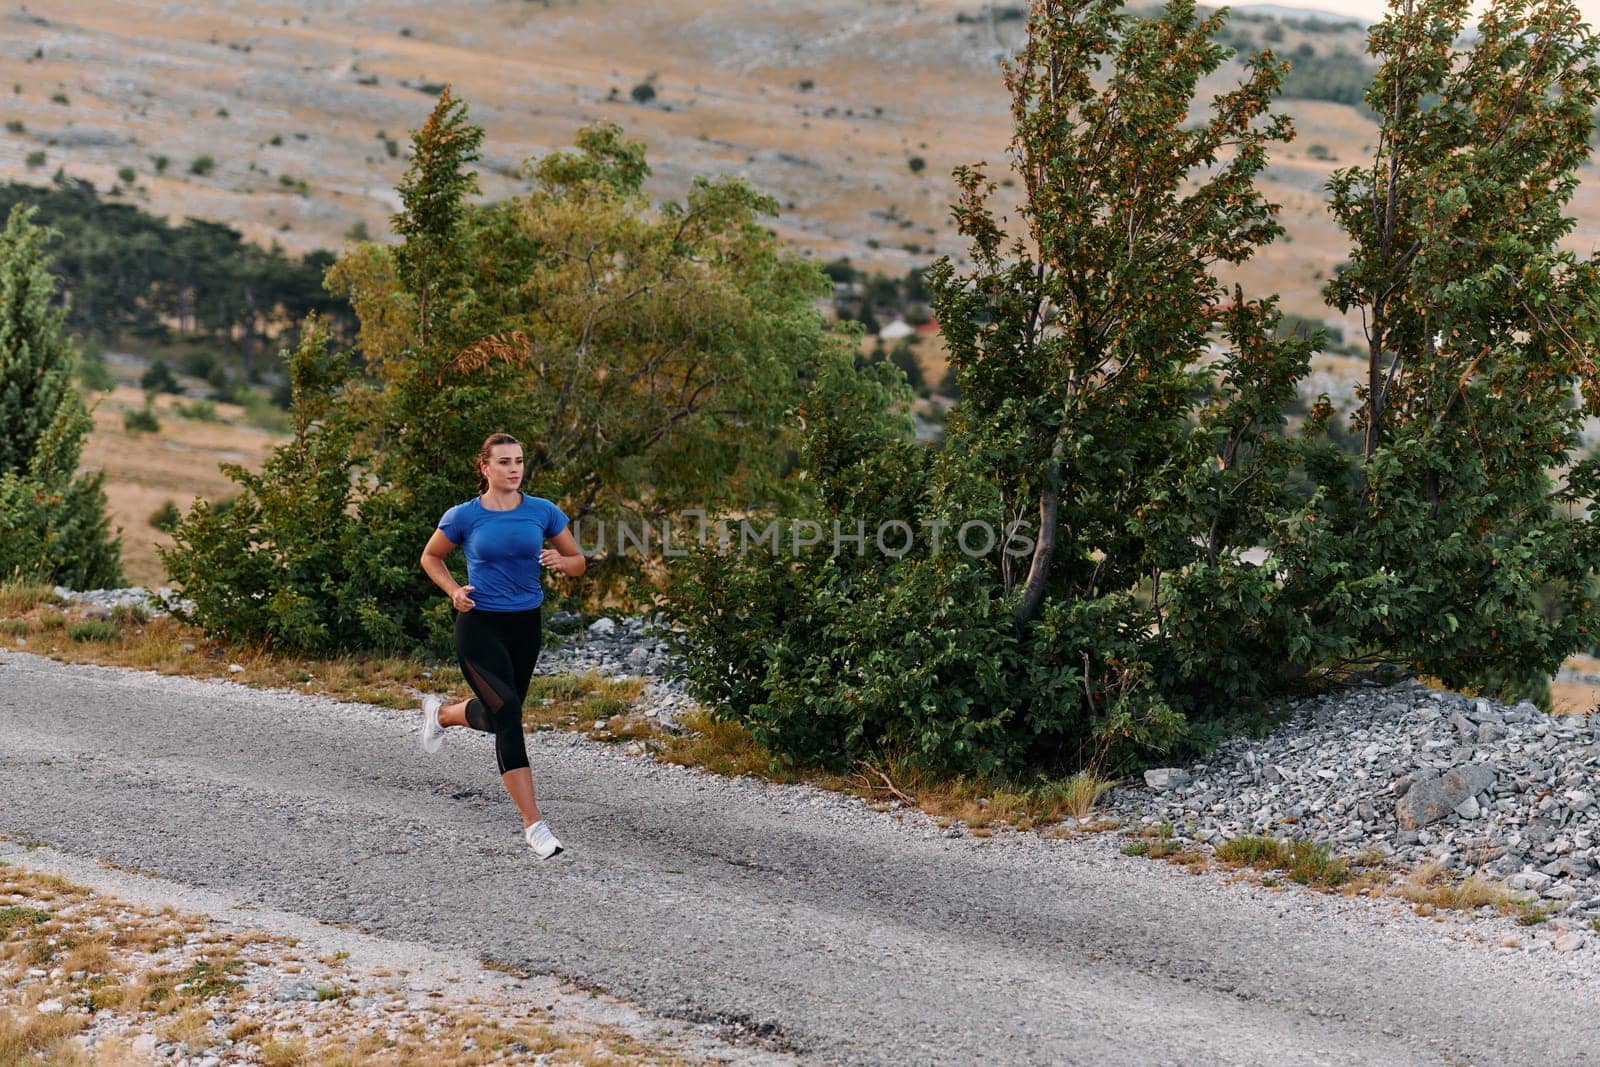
<point>625,648</point>
<point>1417,775</point>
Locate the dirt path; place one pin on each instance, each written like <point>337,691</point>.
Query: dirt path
<point>796,919</point>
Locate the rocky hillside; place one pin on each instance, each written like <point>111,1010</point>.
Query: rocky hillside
<point>289,121</point>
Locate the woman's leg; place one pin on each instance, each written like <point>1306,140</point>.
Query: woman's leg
<point>489,653</point>
<point>524,646</point>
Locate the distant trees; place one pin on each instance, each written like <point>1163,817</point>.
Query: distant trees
<point>53,524</point>
<point>128,276</point>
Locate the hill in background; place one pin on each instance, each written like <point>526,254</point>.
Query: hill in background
<point>289,121</point>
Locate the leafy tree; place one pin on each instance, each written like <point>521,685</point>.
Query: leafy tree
<point>303,556</point>
<point>53,523</point>
<point>1463,528</point>
<point>1095,408</point>
<point>158,377</point>
<point>643,354</point>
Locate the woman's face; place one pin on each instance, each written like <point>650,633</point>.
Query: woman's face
<point>504,469</point>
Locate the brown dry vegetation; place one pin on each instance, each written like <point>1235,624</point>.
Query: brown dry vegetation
<point>131,970</point>
<point>177,463</point>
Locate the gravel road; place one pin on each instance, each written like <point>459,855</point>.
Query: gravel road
<point>797,920</point>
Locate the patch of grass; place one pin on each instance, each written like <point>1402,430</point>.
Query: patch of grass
<point>37,1038</point>
<point>93,630</point>
<point>1262,853</point>
<point>1079,794</point>
<point>207,978</point>
<point>130,613</point>
<point>1301,860</point>
<point>290,1052</point>
<point>13,918</point>
<point>17,597</point>
<point>1429,886</point>
<point>721,747</point>
<point>579,701</point>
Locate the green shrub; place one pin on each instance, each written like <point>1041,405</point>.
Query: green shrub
<point>202,410</point>
<point>917,164</point>
<point>141,420</point>
<point>127,175</point>
<point>16,126</point>
<point>36,158</point>
<point>644,92</point>
<point>160,163</point>
<point>1340,76</point>
<point>166,517</point>
<point>158,377</point>
<point>53,522</point>
<point>93,373</point>
<point>262,413</point>
<point>202,165</point>
<point>92,630</point>
<point>130,613</point>
<point>60,98</point>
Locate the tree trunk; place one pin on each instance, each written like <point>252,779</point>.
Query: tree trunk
<point>1044,550</point>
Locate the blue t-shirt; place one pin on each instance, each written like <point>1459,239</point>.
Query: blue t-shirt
<point>502,549</point>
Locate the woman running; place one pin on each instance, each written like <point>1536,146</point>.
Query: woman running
<point>498,629</point>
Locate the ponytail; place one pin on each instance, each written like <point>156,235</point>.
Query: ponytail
<point>483,456</point>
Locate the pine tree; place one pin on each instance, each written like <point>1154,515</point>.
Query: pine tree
<point>53,523</point>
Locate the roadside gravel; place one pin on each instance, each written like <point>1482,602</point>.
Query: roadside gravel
<point>781,916</point>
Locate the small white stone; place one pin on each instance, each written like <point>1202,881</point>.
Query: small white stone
<point>234,668</point>
<point>51,1007</point>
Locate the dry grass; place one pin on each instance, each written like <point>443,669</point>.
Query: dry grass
<point>18,598</point>
<point>170,975</point>
<point>1430,889</point>
<point>721,747</point>
<point>582,702</point>
<point>167,646</point>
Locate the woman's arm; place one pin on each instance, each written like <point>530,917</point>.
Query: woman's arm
<point>565,557</point>
<point>439,546</point>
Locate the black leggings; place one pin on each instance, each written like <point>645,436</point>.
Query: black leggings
<point>497,651</point>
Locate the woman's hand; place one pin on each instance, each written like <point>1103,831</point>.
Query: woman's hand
<point>552,560</point>
<point>462,598</point>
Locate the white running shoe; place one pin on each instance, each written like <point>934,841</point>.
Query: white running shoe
<point>432,735</point>
<point>541,840</point>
